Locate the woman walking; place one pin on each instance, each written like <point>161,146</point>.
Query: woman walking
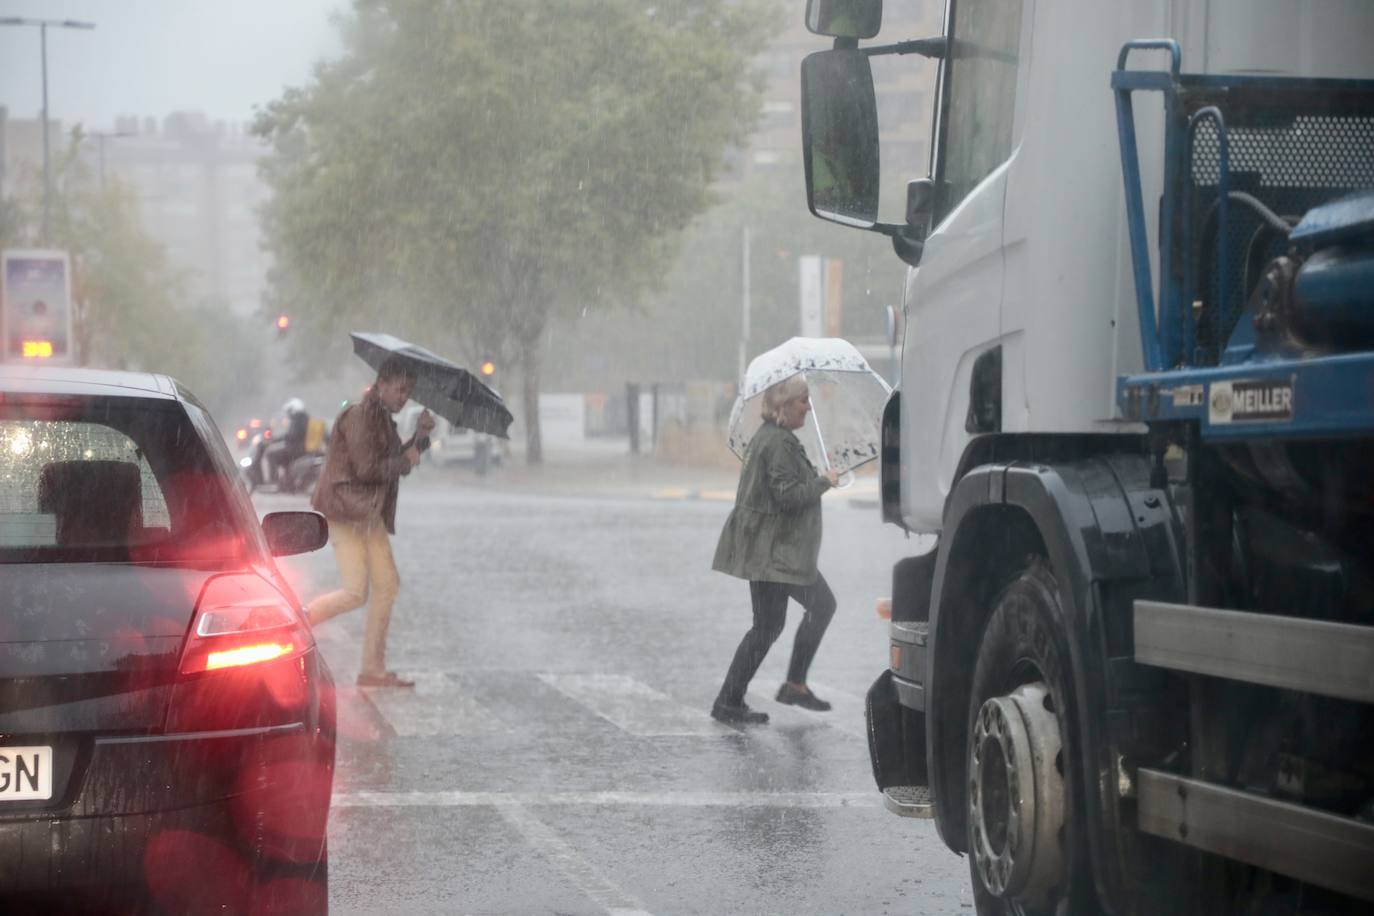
<point>772,538</point>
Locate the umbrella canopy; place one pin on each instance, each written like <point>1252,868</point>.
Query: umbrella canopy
<point>446,388</point>
<point>847,399</point>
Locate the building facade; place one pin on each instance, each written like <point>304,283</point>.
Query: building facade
<point>197,185</point>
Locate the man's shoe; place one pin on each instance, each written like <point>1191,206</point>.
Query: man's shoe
<point>737,715</point>
<point>791,696</point>
<point>386,679</point>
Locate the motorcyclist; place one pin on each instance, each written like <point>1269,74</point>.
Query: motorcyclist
<point>290,446</point>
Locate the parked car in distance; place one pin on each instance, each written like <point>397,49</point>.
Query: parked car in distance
<point>167,724</point>
<point>450,444</point>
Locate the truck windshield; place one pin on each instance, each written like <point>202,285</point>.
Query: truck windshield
<point>92,480</point>
<point>979,96</point>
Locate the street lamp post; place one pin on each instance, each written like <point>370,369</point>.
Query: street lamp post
<point>43,44</point>
<point>100,137</point>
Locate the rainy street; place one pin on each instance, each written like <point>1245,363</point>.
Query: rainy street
<point>557,755</point>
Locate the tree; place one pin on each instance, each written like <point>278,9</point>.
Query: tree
<point>469,169</point>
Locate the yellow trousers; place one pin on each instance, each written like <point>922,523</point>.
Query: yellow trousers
<point>363,552</point>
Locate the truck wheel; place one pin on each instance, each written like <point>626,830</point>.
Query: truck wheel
<point>1021,829</point>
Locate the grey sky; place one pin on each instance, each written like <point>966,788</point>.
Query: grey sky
<point>152,57</point>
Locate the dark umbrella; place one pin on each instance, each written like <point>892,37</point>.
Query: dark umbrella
<point>446,388</point>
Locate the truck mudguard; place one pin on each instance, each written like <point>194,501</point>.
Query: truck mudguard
<point>1108,537</point>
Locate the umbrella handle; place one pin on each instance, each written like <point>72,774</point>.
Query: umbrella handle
<point>825,456</point>
<point>847,478</point>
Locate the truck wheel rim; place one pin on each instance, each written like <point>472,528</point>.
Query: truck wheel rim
<point>1016,795</point>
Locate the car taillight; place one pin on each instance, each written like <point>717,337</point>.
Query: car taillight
<point>242,620</point>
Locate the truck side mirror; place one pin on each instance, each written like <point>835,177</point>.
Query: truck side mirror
<point>840,137</point>
<point>844,18</point>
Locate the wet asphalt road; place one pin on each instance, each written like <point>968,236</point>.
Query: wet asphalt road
<point>557,755</point>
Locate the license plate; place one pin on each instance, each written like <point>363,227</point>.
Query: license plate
<point>25,773</point>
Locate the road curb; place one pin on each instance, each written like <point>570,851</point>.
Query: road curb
<point>693,493</point>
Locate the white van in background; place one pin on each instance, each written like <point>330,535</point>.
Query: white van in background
<point>450,444</point>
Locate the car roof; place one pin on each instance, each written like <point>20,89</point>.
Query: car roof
<point>16,379</point>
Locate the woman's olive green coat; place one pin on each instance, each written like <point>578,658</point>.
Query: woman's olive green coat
<point>774,532</point>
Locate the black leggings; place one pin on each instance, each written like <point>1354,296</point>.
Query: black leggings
<point>770,613</point>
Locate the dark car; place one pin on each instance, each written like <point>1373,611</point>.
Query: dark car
<point>166,721</point>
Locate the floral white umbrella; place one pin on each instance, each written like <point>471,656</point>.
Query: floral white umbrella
<point>847,399</point>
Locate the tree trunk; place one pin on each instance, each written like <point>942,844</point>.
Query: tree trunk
<point>530,364</point>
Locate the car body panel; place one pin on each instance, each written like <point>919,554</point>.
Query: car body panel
<point>93,630</point>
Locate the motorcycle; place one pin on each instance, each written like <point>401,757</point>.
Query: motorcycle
<point>299,476</point>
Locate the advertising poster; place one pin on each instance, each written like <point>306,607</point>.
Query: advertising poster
<point>36,318</point>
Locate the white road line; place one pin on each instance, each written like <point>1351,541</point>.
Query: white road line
<point>635,707</point>
<point>615,900</point>
<point>461,799</point>
<point>437,707</point>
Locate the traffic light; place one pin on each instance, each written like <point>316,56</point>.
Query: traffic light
<point>283,325</point>
<point>488,368</point>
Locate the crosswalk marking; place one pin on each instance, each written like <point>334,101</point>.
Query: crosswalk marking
<point>846,713</point>
<point>608,895</point>
<point>684,799</point>
<point>848,709</point>
<point>633,706</point>
<point>436,707</point>
<point>441,705</point>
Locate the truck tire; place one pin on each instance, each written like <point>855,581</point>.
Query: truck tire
<point>1024,853</point>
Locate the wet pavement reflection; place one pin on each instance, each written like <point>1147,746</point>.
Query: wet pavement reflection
<point>556,754</point>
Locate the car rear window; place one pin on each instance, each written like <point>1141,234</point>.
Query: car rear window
<point>96,480</point>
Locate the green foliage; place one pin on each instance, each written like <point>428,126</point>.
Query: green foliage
<point>469,168</point>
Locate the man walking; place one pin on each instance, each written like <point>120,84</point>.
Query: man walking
<point>357,493</point>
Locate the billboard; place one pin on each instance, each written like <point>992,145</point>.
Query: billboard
<point>822,295</point>
<point>36,307</point>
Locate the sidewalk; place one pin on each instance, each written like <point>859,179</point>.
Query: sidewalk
<point>606,469</point>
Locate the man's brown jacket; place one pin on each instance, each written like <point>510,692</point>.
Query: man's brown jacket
<point>364,466</point>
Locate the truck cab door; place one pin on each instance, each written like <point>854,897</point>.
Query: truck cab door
<point>954,299</point>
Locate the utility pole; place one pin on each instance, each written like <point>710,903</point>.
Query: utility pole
<point>43,46</point>
<point>744,303</point>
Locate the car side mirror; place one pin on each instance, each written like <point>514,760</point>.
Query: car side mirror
<point>844,18</point>
<point>290,533</point>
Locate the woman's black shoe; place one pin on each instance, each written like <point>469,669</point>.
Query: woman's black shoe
<point>791,696</point>
<point>737,715</point>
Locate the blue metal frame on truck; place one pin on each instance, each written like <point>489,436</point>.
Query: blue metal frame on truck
<point>1243,391</point>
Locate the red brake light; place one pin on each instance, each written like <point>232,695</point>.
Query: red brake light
<point>248,655</point>
<point>242,620</point>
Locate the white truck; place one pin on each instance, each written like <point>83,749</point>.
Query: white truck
<point>1136,674</point>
